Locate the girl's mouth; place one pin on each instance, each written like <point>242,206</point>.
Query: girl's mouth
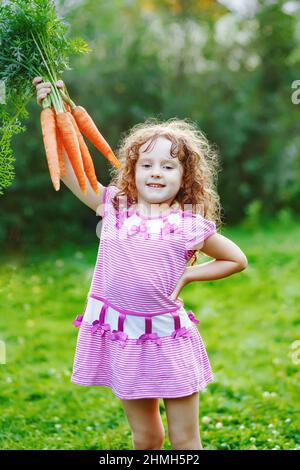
<point>155,186</point>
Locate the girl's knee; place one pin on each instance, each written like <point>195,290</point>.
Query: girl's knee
<point>148,440</point>
<point>185,439</point>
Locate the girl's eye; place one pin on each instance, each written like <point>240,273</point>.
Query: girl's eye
<point>169,167</point>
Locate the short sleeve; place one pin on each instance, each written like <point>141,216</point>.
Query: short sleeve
<point>108,194</point>
<point>197,230</point>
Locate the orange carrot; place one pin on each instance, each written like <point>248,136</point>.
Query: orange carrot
<point>86,158</point>
<point>89,129</point>
<point>71,146</point>
<point>48,126</point>
<point>60,153</point>
<point>67,106</point>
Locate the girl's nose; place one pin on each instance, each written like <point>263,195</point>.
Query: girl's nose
<point>156,173</point>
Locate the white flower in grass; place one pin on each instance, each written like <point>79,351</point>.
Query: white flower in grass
<point>57,426</point>
<point>276,448</point>
<point>288,420</point>
<point>89,428</point>
<point>267,394</point>
<point>219,425</point>
<point>242,426</point>
<point>55,418</point>
<point>271,425</point>
<point>252,439</point>
<point>206,419</point>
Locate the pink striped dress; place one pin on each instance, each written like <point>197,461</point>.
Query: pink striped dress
<point>132,337</point>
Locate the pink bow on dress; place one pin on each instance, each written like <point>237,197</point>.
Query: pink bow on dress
<point>181,332</point>
<point>171,228</point>
<point>149,336</point>
<point>98,326</point>
<point>134,229</point>
<point>117,335</point>
<point>192,317</point>
<point>78,320</point>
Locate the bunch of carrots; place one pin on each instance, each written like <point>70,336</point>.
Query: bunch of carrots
<point>64,130</point>
<point>35,42</point>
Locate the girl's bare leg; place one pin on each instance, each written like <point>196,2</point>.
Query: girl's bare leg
<point>183,422</point>
<point>145,421</point>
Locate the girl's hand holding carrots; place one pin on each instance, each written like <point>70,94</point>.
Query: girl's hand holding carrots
<point>44,88</point>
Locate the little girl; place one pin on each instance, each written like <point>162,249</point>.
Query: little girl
<point>135,335</point>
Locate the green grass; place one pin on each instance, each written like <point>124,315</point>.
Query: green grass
<point>248,322</point>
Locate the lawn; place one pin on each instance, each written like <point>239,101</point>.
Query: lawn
<point>249,322</point>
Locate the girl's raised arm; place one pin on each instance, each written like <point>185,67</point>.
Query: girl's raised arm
<point>91,199</point>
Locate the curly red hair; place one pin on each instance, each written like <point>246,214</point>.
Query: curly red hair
<point>198,157</point>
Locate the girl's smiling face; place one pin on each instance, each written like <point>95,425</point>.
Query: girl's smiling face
<point>157,166</point>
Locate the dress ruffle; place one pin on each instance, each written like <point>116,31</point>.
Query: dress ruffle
<point>119,334</point>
